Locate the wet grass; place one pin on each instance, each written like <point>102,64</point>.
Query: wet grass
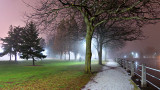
<point>47,75</point>
<point>135,86</point>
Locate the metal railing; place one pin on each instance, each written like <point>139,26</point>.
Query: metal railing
<point>130,65</point>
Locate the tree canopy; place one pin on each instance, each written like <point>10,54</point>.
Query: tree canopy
<point>136,11</point>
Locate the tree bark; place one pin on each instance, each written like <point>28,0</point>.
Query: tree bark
<point>100,51</point>
<point>88,56</point>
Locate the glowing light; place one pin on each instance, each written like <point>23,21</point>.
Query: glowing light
<point>1,50</point>
<point>136,64</point>
<point>132,53</point>
<point>125,56</point>
<point>84,44</point>
<point>136,55</point>
<point>78,56</point>
<point>45,51</point>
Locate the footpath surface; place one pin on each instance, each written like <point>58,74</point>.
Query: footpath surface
<point>112,77</point>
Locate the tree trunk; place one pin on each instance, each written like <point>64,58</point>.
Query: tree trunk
<point>65,55</point>
<point>10,55</point>
<point>69,55</point>
<point>61,56</point>
<point>75,56</point>
<point>88,56</point>
<point>100,51</point>
<point>15,56</point>
<point>33,61</point>
<point>27,57</point>
<point>105,54</point>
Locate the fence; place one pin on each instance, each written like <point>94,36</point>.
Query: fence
<point>130,65</point>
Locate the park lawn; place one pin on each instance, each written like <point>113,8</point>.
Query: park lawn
<point>48,75</point>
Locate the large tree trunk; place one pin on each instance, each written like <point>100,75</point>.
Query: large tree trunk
<point>100,51</point>
<point>90,30</point>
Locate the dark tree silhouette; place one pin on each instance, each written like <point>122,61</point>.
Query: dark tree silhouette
<point>7,44</point>
<point>12,42</point>
<point>30,46</point>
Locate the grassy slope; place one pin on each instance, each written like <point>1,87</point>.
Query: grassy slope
<point>49,75</point>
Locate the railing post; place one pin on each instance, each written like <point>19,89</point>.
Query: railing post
<point>143,78</point>
<point>132,68</point>
<point>126,62</point>
<point>120,62</point>
<point>123,63</point>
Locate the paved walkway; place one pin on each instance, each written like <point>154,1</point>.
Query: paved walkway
<point>112,77</point>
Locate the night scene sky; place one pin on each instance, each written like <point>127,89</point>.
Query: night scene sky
<point>12,13</point>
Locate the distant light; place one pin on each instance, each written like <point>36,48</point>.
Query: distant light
<point>1,50</point>
<point>78,56</point>
<point>45,51</point>
<point>136,64</point>
<point>132,53</point>
<point>125,56</point>
<point>84,44</point>
<point>136,55</point>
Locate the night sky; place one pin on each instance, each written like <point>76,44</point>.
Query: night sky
<point>12,13</point>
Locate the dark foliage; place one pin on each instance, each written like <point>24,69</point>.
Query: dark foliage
<point>30,45</point>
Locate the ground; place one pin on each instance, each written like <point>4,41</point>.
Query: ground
<point>112,77</point>
<point>46,75</point>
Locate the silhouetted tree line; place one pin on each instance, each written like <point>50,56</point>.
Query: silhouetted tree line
<point>67,38</point>
<point>24,41</point>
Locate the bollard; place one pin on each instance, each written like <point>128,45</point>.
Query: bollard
<point>132,68</point>
<point>143,78</point>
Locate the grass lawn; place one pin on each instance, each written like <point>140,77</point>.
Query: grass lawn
<point>48,75</point>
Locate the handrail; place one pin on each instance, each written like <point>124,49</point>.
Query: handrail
<point>153,69</point>
<point>146,73</point>
<point>139,65</point>
<point>139,70</point>
<point>153,76</point>
<point>153,85</point>
<point>137,74</point>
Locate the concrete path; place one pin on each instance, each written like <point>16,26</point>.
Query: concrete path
<point>112,77</point>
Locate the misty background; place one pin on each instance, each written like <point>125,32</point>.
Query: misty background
<point>12,13</point>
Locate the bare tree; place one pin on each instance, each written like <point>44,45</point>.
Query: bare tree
<point>114,35</point>
<point>49,10</point>
<point>68,34</point>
